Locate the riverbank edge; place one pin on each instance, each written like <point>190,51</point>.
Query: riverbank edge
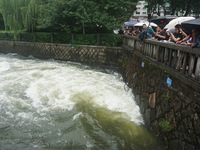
<point>172,112</point>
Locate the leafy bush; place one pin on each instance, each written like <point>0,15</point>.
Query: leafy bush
<point>85,39</point>
<point>27,37</point>
<point>3,36</point>
<point>43,37</point>
<point>165,126</point>
<point>64,38</point>
<point>111,39</point>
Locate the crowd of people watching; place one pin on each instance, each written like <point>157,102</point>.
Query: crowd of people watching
<point>179,36</point>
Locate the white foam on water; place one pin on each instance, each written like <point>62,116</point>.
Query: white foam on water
<point>49,85</point>
<point>89,144</point>
<point>4,66</point>
<point>77,115</point>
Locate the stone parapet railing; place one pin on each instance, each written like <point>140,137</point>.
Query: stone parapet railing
<point>178,59</point>
<point>170,109</point>
<point>145,66</point>
<point>94,55</point>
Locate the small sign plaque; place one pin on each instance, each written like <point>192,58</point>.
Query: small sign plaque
<point>142,65</point>
<point>169,82</point>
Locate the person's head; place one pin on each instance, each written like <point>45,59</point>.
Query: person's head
<point>195,32</point>
<point>135,28</point>
<point>130,28</point>
<point>177,28</point>
<point>144,26</point>
<point>159,28</point>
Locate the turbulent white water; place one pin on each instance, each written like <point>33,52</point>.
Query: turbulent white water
<point>45,104</point>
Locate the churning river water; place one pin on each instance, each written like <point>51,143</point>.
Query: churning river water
<point>56,105</point>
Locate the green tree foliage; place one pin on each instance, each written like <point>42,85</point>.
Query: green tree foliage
<point>186,7</point>
<point>154,6</point>
<point>93,13</point>
<point>64,14</point>
<point>32,15</point>
<point>73,15</point>
<point>196,6</point>
<point>12,15</point>
<point>191,6</point>
<point>20,14</point>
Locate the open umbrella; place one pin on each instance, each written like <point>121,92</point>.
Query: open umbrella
<point>191,24</point>
<point>130,23</point>
<point>171,25</point>
<point>139,24</point>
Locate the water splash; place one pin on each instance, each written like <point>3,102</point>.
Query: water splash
<point>4,66</point>
<point>59,105</point>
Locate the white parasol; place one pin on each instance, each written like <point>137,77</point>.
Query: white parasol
<point>139,24</point>
<point>171,25</point>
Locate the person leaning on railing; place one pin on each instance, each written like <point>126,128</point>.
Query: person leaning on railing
<point>178,35</point>
<point>149,31</point>
<point>161,34</point>
<point>192,39</point>
<point>136,31</point>
<point>130,30</point>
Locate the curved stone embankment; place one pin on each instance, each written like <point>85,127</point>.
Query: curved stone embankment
<point>172,112</point>
<point>170,107</point>
<point>100,55</point>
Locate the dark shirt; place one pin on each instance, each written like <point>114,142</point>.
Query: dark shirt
<point>163,33</point>
<point>178,35</point>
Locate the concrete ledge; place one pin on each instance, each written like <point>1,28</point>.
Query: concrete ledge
<point>183,78</point>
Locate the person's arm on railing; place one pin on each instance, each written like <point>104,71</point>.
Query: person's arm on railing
<point>183,40</point>
<point>173,38</point>
<point>196,44</point>
<point>160,36</point>
<point>183,33</point>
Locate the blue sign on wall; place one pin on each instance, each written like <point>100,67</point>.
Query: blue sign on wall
<point>142,65</point>
<point>169,82</point>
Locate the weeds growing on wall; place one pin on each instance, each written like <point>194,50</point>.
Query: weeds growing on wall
<point>165,126</point>
<point>167,96</point>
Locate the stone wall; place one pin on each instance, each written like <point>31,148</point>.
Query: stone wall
<point>99,55</point>
<point>172,112</point>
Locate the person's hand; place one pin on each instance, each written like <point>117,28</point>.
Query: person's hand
<point>156,34</point>
<point>193,44</point>
<point>179,42</point>
<point>183,43</point>
<point>168,33</point>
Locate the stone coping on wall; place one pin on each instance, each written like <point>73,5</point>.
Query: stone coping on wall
<point>182,62</point>
<point>184,79</point>
<point>168,45</point>
<point>67,45</point>
<point>93,55</point>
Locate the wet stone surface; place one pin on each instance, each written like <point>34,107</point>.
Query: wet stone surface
<point>178,105</point>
